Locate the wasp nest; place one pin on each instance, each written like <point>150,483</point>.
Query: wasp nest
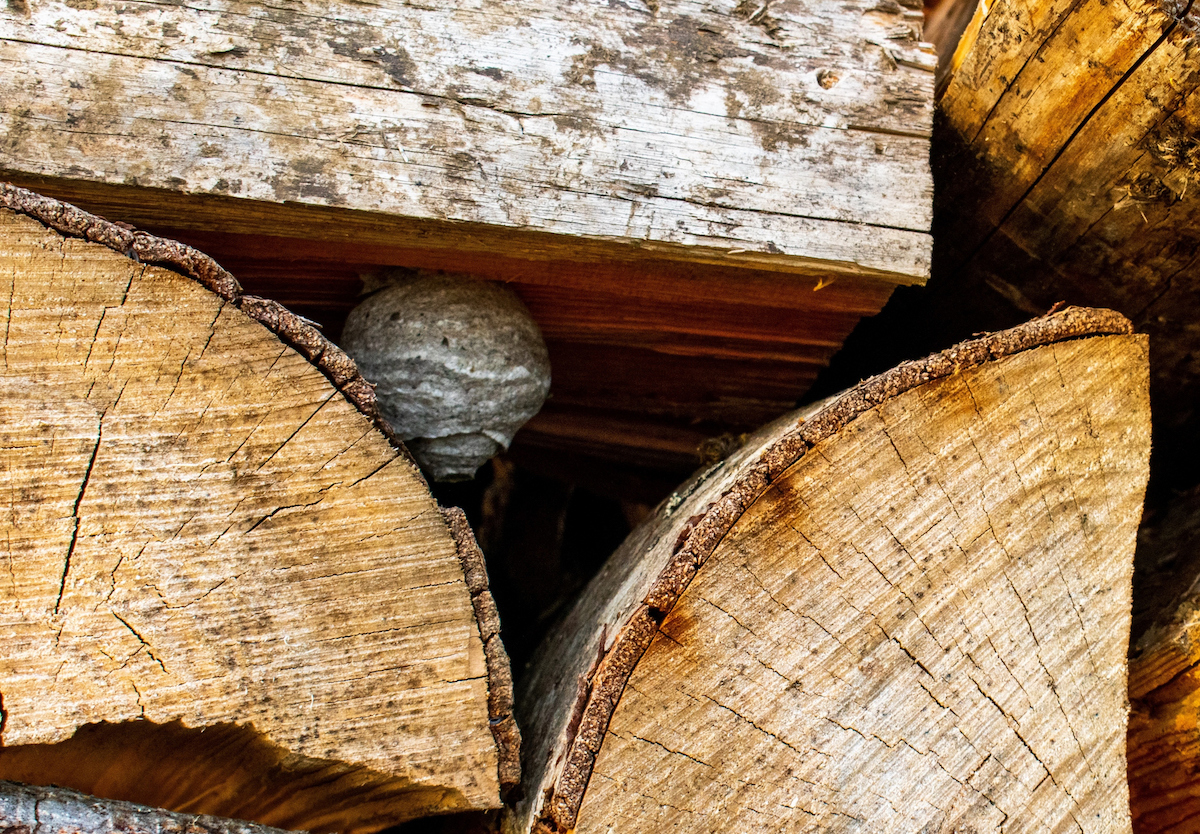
<point>458,366</point>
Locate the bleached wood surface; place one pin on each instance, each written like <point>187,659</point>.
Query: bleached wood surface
<point>909,612</point>
<point>789,134</point>
<point>223,590</point>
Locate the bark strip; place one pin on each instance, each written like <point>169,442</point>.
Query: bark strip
<point>28,809</point>
<point>500,683</point>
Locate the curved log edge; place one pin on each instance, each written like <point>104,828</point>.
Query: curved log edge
<point>601,692</point>
<point>142,247</point>
<point>500,683</point>
<point>25,809</point>
<point>340,370</point>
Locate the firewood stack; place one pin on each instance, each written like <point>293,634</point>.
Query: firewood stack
<point>901,594</point>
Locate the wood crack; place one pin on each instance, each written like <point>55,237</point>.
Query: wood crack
<point>140,639</point>
<point>62,585</point>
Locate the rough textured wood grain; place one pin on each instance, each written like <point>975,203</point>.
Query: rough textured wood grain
<point>907,607</point>
<point>226,590</point>
<point>1067,162</point>
<point>26,809</point>
<point>793,132</point>
<point>1164,674</point>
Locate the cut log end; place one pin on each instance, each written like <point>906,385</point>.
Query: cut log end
<point>909,610</point>
<point>226,591</point>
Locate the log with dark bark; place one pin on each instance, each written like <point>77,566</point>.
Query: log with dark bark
<point>663,184</point>
<point>225,589</point>
<point>1067,163</point>
<point>906,610</point>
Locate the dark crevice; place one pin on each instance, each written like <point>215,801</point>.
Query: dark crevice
<point>62,584</point>
<point>141,640</point>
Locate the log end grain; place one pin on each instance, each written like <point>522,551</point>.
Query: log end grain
<point>604,762</point>
<point>219,558</point>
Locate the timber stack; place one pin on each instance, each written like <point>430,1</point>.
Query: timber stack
<point>234,603</point>
<point>664,187</point>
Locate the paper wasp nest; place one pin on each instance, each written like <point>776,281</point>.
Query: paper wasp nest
<point>459,365</point>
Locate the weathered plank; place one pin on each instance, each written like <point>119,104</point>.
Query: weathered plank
<point>795,131</point>
<point>905,609</point>
<point>225,590</point>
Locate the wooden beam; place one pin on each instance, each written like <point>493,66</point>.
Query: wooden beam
<point>787,135</point>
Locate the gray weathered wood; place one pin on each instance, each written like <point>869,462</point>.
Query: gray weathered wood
<point>37,810</point>
<point>786,134</point>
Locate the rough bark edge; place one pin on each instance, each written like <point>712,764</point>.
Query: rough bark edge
<point>25,809</point>
<point>340,370</point>
<point>500,683</point>
<point>700,538</point>
<point>142,247</point>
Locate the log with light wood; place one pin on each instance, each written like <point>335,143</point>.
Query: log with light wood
<point>907,610</point>
<point>224,589</point>
<point>1068,168</point>
<point>663,184</point>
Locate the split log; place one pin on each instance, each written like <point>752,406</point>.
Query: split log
<point>1164,673</point>
<point>907,611</point>
<point>664,184</point>
<point>1068,158</point>
<point>225,591</point>
<point>25,809</point>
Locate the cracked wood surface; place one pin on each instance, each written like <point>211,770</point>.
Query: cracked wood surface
<point>223,589</point>
<point>791,135</point>
<point>1069,166</point>
<point>903,610</point>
